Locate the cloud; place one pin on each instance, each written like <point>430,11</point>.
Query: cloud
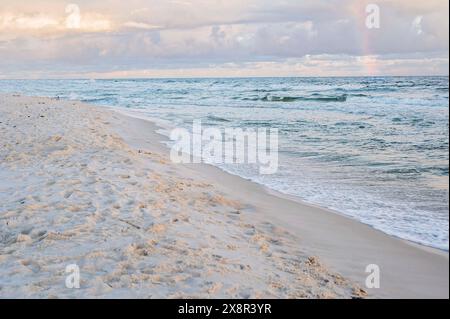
<point>26,22</point>
<point>18,24</point>
<point>140,25</point>
<point>133,35</point>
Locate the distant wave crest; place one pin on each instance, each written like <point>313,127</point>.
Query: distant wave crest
<point>313,98</point>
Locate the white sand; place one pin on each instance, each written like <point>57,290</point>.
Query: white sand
<point>72,191</point>
<point>406,270</point>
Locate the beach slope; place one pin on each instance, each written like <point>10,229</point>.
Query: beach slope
<point>88,186</point>
<point>73,192</point>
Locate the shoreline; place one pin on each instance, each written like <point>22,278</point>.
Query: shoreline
<point>399,284</point>
<point>291,228</point>
<point>134,224</point>
<point>163,138</point>
<point>165,125</point>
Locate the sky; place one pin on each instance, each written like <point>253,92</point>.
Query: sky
<point>222,38</point>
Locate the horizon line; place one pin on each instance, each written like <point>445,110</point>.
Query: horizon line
<point>218,77</point>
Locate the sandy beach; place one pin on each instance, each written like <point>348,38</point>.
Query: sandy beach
<point>86,185</point>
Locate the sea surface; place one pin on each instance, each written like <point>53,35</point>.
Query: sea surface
<point>373,148</point>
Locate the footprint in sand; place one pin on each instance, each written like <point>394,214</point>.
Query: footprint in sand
<point>67,194</point>
<point>32,265</point>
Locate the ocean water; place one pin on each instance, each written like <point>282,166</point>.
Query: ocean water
<point>372,148</point>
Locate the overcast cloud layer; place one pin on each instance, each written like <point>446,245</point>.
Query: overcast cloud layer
<point>144,38</point>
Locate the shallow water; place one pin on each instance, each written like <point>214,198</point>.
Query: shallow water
<point>375,149</point>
